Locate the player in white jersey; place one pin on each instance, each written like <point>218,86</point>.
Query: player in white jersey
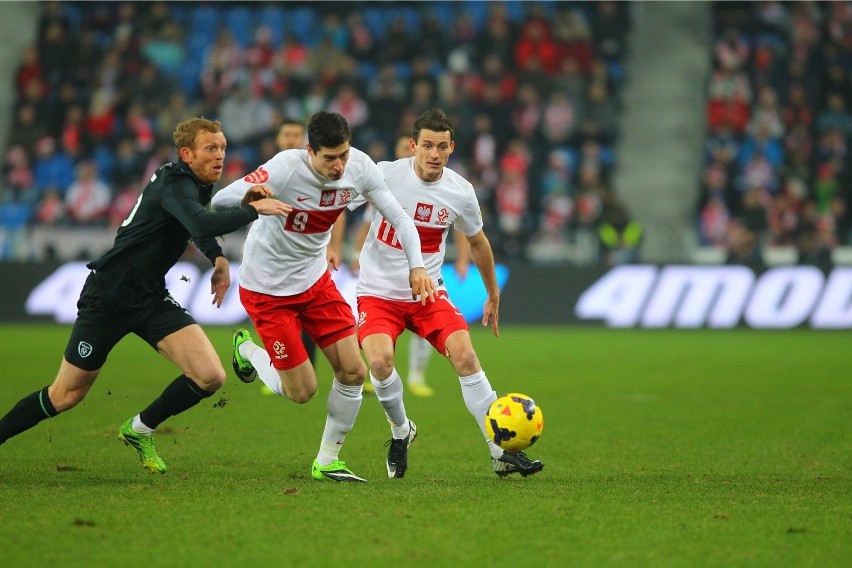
<point>419,350</point>
<point>437,198</point>
<point>285,284</point>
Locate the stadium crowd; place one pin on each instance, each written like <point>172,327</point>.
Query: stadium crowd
<point>777,168</point>
<point>533,89</point>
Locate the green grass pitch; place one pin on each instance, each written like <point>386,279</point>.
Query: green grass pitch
<point>661,448</point>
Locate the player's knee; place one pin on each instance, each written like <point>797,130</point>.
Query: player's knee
<point>381,366</point>
<point>301,394</point>
<point>67,399</point>
<point>465,362</point>
<point>353,375</point>
<point>212,379</point>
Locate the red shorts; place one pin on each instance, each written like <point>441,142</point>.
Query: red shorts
<point>434,322</point>
<point>320,311</point>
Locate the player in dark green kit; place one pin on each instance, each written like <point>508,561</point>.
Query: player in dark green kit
<point>126,292</point>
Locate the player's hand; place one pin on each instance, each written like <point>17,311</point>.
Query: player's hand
<point>461,270</point>
<point>331,258</point>
<point>267,206</point>
<point>421,285</point>
<point>220,281</point>
<point>256,192</point>
<point>491,314</point>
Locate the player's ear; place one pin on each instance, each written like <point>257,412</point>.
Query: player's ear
<point>185,154</point>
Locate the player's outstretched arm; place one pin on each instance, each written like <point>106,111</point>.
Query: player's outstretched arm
<point>220,281</point>
<point>271,206</point>
<point>483,258</point>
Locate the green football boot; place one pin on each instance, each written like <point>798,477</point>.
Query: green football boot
<point>336,471</point>
<point>242,366</point>
<point>145,447</point>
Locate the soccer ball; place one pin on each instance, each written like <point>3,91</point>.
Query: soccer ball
<point>514,422</point>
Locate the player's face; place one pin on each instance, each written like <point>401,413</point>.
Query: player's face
<point>330,162</point>
<point>403,147</point>
<point>290,136</point>
<point>431,153</point>
<point>207,158</point>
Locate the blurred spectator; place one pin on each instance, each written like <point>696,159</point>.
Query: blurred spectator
<point>88,198</point>
<point>743,247</point>
<point>18,175</point>
<point>14,217</point>
<point>510,75</point>
<point>127,166</point>
<point>498,35</point>
<point>527,113</point>
<point>221,61</point>
<point>29,69</point>
<point>574,39</point>
<point>535,41</point>
<point>835,115</point>
<point>51,209</point>
<point>56,52</point>
<point>713,222</point>
<point>164,48</point>
<point>347,102</point>
<point>52,169</point>
<point>620,236</point>
<point>511,195</point>
<point>559,119</point>
<point>610,26</point>
<point>244,115</point>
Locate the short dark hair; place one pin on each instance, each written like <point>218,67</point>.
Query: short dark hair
<point>435,120</point>
<point>328,130</point>
<point>287,121</point>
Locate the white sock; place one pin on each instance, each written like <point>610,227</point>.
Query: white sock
<point>389,393</point>
<point>261,362</point>
<point>139,426</point>
<point>343,405</point>
<point>419,352</point>
<point>478,396</point>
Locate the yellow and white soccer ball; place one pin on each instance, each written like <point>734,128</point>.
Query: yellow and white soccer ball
<point>514,422</point>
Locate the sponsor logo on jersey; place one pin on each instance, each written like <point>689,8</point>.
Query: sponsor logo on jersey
<point>257,176</point>
<point>328,198</point>
<point>302,198</point>
<point>84,349</point>
<point>423,212</point>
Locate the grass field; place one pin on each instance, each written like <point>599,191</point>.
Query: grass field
<point>662,448</point>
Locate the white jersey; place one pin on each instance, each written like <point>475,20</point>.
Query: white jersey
<point>435,207</point>
<point>286,255</point>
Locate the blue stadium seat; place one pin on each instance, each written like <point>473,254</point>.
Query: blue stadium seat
<point>303,24</point>
<point>204,19</point>
<point>189,78</point>
<point>273,17</point>
<point>239,20</point>
<point>375,20</point>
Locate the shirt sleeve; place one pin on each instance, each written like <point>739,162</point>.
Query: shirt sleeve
<point>378,194</point>
<point>275,173</point>
<point>182,201</point>
<point>469,221</point>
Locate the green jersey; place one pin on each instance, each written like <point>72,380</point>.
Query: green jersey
<point>171,210</point>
